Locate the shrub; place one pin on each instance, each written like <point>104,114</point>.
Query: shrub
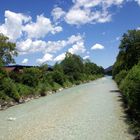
<point>56,86</point>
<point>67,83</point>
<point>3,96</point>
<point>24,90</point>
<point>9,88</point>
<point>120,76</point>
<point>130,88</point>
<point>43,88</point>
<point>58,77</point>
<point>31,76</point>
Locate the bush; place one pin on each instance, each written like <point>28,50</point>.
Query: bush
<point>58,77</point>
<point>130,88</point>
<point>3,96</point>
<point>56,86</point>
<point>120,76</point>
<point>43,88</point>
<point>31,76</point>
<point>9,88</point>
<point>24,90</point>
<point>67,83</point>
<point>3,74</point>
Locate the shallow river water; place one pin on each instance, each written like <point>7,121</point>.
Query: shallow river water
<point>89,111</point>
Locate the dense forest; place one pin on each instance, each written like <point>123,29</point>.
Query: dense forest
<point>39,81</point>
<point>126,72</point>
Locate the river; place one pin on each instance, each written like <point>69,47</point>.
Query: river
<point>91,111</point>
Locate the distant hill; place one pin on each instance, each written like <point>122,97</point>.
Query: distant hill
<point>108,70</point>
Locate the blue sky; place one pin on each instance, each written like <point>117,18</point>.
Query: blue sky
<point>44,30</point>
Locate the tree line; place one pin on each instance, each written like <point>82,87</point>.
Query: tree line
<point>38,81</point>
<point>126,72</point>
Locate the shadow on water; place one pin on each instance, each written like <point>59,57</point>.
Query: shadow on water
<point>128,117</point>
<point>114,90</point>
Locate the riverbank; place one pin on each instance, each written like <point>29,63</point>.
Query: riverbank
<point>6,104</point>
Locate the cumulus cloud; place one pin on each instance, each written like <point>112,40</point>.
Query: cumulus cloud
<point>118,38</point>
<point>25,61</point>
<point>41,28</point>
<point>17,25</point>
<point>138,1</point>
<point>60,57</point>
<point>86,57</point>
<point>30,46</point>
<point>88,11</point>
<point>97,47</point>
<point>138,28</point>
<point>47,57</point>
<point>57,13</point>
<point>77,48</point>
<point>54,46</point>
<point>84,11</point>
<point>13,24</point>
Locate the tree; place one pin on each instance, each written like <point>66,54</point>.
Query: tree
<point>129,54</point>
<point>31,76</point>
<point>7,50</point>
<point>73,66</point>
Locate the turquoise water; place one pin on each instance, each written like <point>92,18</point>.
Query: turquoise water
<point>85,112</point>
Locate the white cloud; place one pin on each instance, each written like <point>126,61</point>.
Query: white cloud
<point>77,48</point>
<point>31,46</point>
<point>13,24</point>
<point>97,46</point>
<point>86,57</point>
<point>57,13</point>
<point>47,57</point>
<point>138,28</point>
<point>25,61</point>
<point>60,57</point>
<point>138,1</point>
<point>19,26</point>
<point>118,38</point>
<point>41,28</point>
<point>85,11</point>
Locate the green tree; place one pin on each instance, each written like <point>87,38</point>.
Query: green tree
<point>129,54</point>
<point>31,76</point>
<point>130,88</point>
<point>7,50</point>
<point>73,66</point>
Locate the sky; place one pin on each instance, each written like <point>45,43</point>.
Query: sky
<point>45,30</point>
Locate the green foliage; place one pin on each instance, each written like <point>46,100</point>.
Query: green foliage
<point>38,80</point>
<point>24,90</point>
<point>67,83</point>
<point>130,88</point>
<point>43,88</point>
<point>129,54</point>
<point>120,76</point>
<point>9,88</point>
<point>31,76</point>
<point>7,50</point>
<point>73,67</point>
<point>128,60</point>
<point>17,77</point>
<point>58,77</point>
<point>3,74</point>
<point>130,45</point>
<point>3,96</point>
<point>56,86</point>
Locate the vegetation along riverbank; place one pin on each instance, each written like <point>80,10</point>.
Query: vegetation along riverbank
<point>126,72</point>
<point>21,85</point>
